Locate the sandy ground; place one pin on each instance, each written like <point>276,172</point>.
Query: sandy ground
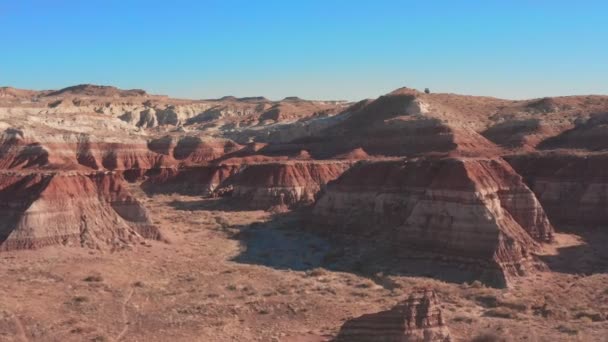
<point>233,275</point>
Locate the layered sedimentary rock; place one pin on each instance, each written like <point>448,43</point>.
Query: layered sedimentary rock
<point>137,109</point>
<point>474,210</point>
<point>401,123</point>
<point>572,188</point>
<point>524,134</point>
<point>27,149</point>
<point>94,210</point>
<point>196,150</point>
<point>289,184</point>
<point>418,319</point>
<point>587,135</point>
<point>16,152</point>
<point>265,153</point>
<point>195,180</point>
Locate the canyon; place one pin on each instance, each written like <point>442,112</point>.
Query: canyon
<point>470,197</point>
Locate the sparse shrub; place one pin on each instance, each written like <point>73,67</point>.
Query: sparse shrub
<point>591,315</point>
<point>488,337</point>
<point>284,290</point>
<point>317,272</point>
<point>427,90</point>
<point>567,330</point>
<point>222,222</point>
<point>77,330</point>
<point>80,299</point>
<point>93,279</point>
<point>476,285</point>
<point>250,291</point>
<point>366,284</point>
<point>501,313</point>
<point>463,319</point>
<point>550,312</point>
<point>489,301</point>
<point>514,305</point>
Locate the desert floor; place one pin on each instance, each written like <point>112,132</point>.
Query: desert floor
<point>230,275</point>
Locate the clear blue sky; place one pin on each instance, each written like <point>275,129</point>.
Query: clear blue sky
<point>309,48</point>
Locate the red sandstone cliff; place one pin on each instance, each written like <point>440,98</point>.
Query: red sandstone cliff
<point>572,188</point>
<point>288,184</point>
<point>70,209</point>
<point>402,123</point>
<point>469,209</point>
<point>193,180</point>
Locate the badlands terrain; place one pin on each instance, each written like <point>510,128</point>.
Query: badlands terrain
<point>126,216</point>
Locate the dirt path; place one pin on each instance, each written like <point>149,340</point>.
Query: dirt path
<point>125,317</point>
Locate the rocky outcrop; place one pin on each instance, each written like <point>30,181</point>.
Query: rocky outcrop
<point>572,188</point>
<point>96,91</point>
<point>22,150</point>
<point>587,135</point>
<point>289,184</point>
<point>524,134</point>
<point>418,319</point>
<point>94,210</point>
<point>196,180</point>
<point>397,124</point>
<point>17,153</point>
<point>474,210</point>
<point>197,150</point>
<point>138,110</point>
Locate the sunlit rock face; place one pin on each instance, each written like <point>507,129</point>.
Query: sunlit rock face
<point>417,319</point>
<point>289,184</point>
<point>89,210</point>
<point>475,210</point>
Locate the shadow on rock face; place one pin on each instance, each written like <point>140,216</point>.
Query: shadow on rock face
<point>286,243</point>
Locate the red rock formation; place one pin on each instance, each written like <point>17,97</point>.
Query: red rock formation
<point>70,209</point>
<point>76,152</point>
<point>572,188</point>
<point>525,134</point>
<point>195,180</point>
<point>398,124</point>
<point>197,150</point>
<point>263,186</point>
<point>418,319</point>
<point>477,211</point>
<point>16,152</point>
<point>589,135</point>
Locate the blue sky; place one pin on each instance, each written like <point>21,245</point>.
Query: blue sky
<point>313,49</point>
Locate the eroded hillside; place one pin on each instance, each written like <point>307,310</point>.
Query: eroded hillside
<point>256,219</point>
